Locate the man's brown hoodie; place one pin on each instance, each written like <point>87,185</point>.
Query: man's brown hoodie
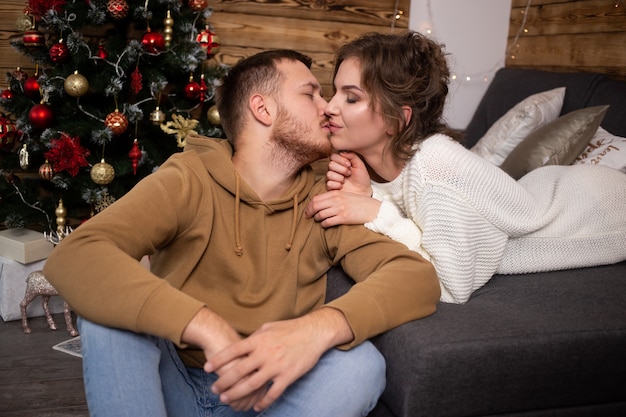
<point>213,242</point>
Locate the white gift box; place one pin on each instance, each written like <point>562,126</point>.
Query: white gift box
<point>13,286</point>
<point>24,245</point>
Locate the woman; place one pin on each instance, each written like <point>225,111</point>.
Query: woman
<point>464,214</point>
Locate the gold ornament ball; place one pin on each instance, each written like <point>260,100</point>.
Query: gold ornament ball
<point>76,85</point>
<point>157,116</point>
<point>213,115</point>
<point>102,173</point>
<point>24,23</point>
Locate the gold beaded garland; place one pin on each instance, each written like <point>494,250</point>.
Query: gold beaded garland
<point>168,28</point>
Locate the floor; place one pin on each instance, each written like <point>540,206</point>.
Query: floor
<point>35,380</point>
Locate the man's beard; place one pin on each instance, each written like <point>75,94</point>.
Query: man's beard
<point>294,142</point>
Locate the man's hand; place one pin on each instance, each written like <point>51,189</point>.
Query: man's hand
<point>276,355</point>
<point>212,333</point>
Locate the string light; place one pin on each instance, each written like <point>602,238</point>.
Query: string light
<point>479,77</point>
<point>515,45</point>
<point>397,14</point>
<point>483,77</point>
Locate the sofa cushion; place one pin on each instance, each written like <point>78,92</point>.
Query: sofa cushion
<point>512,85</point>
<point>605,149</point>
<point>522,342</point>
<point>523,119</point>
<point>557,143</point>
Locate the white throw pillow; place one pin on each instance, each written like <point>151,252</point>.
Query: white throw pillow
<point>523,119</point>
<point>606,149</point>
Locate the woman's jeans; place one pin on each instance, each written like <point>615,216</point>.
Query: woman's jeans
<point>136,375</point>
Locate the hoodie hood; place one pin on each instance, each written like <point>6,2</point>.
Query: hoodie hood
<point>216,156</point>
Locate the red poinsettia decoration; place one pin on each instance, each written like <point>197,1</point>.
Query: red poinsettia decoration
<point>40,7</point>
<point>66,154</point>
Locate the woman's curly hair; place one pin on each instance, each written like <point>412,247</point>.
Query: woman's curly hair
<point>403,70</point>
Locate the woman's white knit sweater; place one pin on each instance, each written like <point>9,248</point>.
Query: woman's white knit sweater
<point>472,220</point>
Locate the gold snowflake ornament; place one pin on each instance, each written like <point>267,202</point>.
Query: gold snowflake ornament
<point>105,201</point>
<point>181,127</point>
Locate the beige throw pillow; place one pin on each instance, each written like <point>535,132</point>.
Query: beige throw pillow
<point>557,143</point>
<point>524,118</point>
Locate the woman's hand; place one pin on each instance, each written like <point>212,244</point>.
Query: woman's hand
<point>348,200</point>
<point>347,172</point>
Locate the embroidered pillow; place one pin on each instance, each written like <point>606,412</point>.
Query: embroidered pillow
<point>605,148</point>
<point>524,118</point>
<point>557,143</point>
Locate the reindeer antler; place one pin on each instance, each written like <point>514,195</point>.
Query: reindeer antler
<point>55,237</point>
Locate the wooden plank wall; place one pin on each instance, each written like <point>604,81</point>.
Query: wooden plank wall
<point>569,35</point>
<point>315,27</point>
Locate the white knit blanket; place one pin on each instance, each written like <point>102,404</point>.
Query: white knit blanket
<point>472,220</point>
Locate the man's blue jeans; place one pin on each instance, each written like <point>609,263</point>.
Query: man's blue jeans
<point>136,375</point>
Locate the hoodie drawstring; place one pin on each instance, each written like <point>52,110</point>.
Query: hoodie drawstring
<point>238,247</point>
<point>294,219</point>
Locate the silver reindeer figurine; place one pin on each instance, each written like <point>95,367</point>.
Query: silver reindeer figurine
<point>37,284</point>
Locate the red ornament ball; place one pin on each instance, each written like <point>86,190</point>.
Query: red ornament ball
<point>117,122</point>
<point>45,171</point>
<point>7,94</point>
<point>33,38</point>
<point>118,9</point>
<point>192,90</point>
<point>153,42</point>
<point>198,5</point>
<point>59,53</point>
<point>7,133</point>
<point>31,87</point>
<point>41,116</point>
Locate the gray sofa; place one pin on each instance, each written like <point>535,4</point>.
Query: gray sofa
<point>544,344</point>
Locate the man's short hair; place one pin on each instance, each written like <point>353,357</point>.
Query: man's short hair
<point>255,74</point>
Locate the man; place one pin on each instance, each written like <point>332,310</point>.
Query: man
<point>231,315</point>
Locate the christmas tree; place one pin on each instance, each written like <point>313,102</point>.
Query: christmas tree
<point>117,86</point>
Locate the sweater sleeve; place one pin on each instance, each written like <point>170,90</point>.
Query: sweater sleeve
<point>97,270</point>
<point>393,284</point>
<point>393,224</point>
